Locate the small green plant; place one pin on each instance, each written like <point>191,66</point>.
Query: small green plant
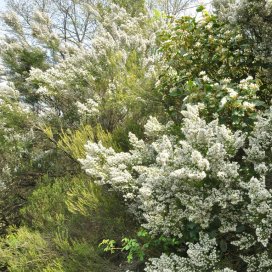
<point>141,246</point>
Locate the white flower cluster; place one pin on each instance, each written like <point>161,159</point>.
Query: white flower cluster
<point>12,20</point>
<point>170,175</point>
<point>268,6</point>
<point>248,84</point>
<point>259,151</point>
<point>202,256</point>
<point>91,108</point>
<point>119,30</point>
<point>170,181</point>
<point>259,154</point>
<point>42,30</point>
<point>260,262</point>
<point>153,127</point>
<point>78,77</point>
<point>241,95</point>
<point>7,91</point>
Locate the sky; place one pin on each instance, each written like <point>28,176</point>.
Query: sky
<point>189,11</point>
<point>2,4</point>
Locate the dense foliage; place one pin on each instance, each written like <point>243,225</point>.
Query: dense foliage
<point>134,138</point>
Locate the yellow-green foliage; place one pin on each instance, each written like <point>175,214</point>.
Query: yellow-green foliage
<point>72,142</point>
<point>85,198</point>
<point>102,209</point>
<point>45,209</point>
<point>26,250</point>
<point>67,202</point>
<point>72,216</point>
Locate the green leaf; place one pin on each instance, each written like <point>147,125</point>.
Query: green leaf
<point>200,8</point>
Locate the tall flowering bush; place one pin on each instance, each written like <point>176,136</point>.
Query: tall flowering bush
<point>104,82</point>
<point>197,179</point>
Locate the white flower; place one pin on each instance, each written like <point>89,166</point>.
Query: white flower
<point>248,105</point>
<point>153,127</point>
<point>223,101</point>
<point>206,78</point>
<point>232,93</point>
<point>167,182</point>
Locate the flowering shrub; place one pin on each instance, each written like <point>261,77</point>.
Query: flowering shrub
<point>259,150</point>
<point>105,81</point>
<point>196,178</point>
<point>202,256</point>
